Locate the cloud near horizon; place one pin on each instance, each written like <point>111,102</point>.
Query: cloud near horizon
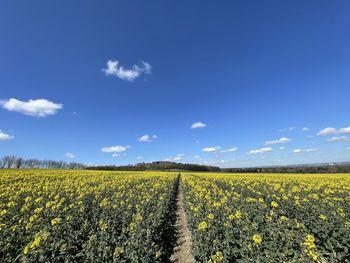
<point>35,108</point>
<point>306,150</point>
<point>114,69</point>
<point>261,150</point>
<point>5,137</point>
<point>70,155</point>
<point>278,141</point>
<point>115,149</point>
<point>233,149</point>
<point>213,149</point>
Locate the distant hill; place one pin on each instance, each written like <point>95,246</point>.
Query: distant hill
<point>173,166</point>
<point>298,168</point>
<point>160,165</point>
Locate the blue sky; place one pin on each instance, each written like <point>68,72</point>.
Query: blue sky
<point>86,80</point>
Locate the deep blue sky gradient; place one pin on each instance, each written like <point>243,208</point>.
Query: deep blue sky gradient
<point>248,69</point>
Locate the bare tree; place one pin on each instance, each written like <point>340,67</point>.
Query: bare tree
<point>8,161</point>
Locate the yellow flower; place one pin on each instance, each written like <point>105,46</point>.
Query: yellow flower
<point>274,204</point>
<point>257,239</point>
<point>323,217</point>
<point>202,226</point>
<point>238,214</point>
<point>309,242</point>
<point>55,221</point>
<point>210,216</point>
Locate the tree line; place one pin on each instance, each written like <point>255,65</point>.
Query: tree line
<point>158,166</point>
<point>10,161</point>
<point>319,168</point>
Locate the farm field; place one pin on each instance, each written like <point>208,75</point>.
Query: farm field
<point>97,216</point>
<point>269,218</point>
<point>85,216</point>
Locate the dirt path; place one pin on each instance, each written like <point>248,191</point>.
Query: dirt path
<point>183,249</point>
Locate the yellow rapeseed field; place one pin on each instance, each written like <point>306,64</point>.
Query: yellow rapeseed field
<point>97,216</point>
<point>84,216</point>
<point>269,217</point>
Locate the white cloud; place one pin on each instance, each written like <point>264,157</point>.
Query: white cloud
<point>338,139</point>
<point>261,150</point>
<point>311,150</point>
<point>345,130</point>
<point>178,157</point>
<point>197,125</point>
<point>115,149</point>
<point>306,150</point>
<point>139,157</point>
<point>282,148</point>
<point>147,138</point>
<point>327,131</point>
<point>305,129</point>
<point>114,69</point>
<point>70,155</point>
<point>36,108</point>
<point>116,155</point>
<point>233,149</point>
<point>196,157</point>
<point>280,140</point>
<point>331,131</point>
<point>5,137</point>
<point>211,149</point>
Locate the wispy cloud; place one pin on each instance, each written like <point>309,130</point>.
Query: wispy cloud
<point>35,108</point>
<point>233,149</point>
<point>211,149</point>
<point>197,125</point>
<point>305,129</point>
<point>338,139</point>
<point>147,138</point>
<point>287,129</point>
<point>277,141</point>
<point>139,157</point>
<point>332,131</point>
<point>115,149</point>
<point>177,157</point>
<point>261,150</point>
<point>113,68</point>
<point>5,137</point>
<point>116,155</point>
<point>311,150</point>
<point>70,155</point>
<point>306,150</point>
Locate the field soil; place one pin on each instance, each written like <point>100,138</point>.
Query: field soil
<point>183,249</point>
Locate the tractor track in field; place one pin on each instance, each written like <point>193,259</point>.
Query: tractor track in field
<point>183,249</point>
